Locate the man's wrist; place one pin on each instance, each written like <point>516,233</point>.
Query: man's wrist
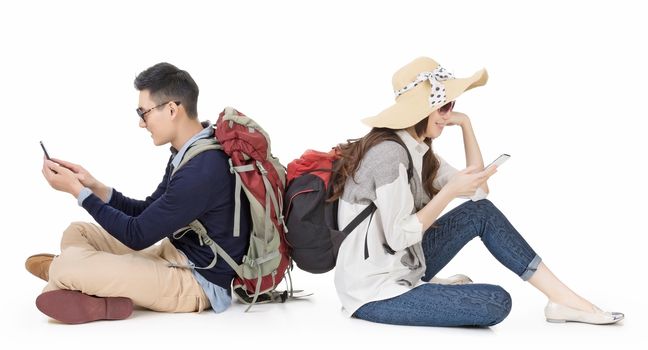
<point>102,191</point>
<point>97,188</point>
<point>76,188</point>
<point>84,193</point>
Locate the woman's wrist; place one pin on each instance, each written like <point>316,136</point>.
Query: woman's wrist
<point>465,122</point>
<point>447,192</point>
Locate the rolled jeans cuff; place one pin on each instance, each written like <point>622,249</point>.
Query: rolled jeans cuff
<point>531,268</point>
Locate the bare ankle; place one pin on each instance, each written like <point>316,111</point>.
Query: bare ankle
<point>575,303</point>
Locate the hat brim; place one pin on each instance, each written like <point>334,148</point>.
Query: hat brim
<point>413,106</point>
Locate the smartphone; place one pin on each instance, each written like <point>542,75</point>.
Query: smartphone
<point>45,151</point>
<point>500,160</point>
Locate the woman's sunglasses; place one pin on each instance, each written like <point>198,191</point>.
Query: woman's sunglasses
<point>446,108</point>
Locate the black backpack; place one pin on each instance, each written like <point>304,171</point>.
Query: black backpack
<point>313,233</point>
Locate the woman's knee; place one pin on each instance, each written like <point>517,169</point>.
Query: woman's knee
<point>487,210</point>
<point>485,204</point>
<point>480,205</point>
<point>500,305</point>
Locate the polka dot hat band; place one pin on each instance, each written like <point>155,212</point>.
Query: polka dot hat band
<point>436,78</point>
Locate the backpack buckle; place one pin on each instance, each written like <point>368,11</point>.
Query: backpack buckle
<point>261,168</point>
<point>249,261</point>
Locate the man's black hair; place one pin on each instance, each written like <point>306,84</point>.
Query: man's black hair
<point>165,82</point>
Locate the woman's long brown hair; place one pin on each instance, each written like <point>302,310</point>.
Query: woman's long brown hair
<point>354,150</point>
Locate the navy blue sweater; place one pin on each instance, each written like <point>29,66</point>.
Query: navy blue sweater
<point>202,189</point>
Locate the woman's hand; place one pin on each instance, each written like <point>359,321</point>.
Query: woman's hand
<point>61,178</point>
<point>457,118</point>
<point>467,181</point>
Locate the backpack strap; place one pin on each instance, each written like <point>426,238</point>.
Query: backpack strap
<point>410,165</point>
<point>195,149</point>
<point>208,144</point>
<point>369,210</point>
<point>197,227</point>
<point>268,227</point>
<point>237,193</point>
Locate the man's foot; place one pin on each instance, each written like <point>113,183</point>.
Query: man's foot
<point>73,307</point>
<point>39,264</point>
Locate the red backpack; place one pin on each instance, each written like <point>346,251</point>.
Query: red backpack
<point>312,220</point>
<point>260,175</point>
<point>314,236</point>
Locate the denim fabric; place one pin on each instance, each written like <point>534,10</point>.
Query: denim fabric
<point>459,305</point>
<point>441,306</point>
<point>476,219</point>
<point>219,298</point>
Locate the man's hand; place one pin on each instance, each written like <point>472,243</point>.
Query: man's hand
<point>61,178</point>
<point>81,173</point>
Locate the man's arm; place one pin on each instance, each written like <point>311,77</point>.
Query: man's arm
<point>199,185</point>
<point>135,207</point>
<point>107,194</point>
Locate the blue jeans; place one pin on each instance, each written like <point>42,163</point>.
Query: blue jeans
<point>459,305</point>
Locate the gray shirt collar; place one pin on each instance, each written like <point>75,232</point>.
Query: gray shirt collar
<point>208,131</point>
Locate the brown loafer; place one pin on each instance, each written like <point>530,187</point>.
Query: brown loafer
<point>39,264</point>
<point>74,307</point>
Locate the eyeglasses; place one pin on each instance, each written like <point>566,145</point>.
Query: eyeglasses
<point>446,108</point>
<point>142,113</point>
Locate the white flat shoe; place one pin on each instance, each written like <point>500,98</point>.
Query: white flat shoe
<point>558,313</point>
<point>452,280</point>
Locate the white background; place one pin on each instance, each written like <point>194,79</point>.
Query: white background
<point>566,98</point>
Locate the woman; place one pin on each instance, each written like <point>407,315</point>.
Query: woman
<point>385,265</point>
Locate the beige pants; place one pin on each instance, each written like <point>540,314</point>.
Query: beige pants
<point>95,263</point>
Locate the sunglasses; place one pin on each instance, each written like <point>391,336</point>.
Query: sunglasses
<point>142,113</point>
<point>446,108</point>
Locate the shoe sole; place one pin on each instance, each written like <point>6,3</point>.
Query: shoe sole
<point>556,321</point>
<point>74,307</point>
<point>552,320</point>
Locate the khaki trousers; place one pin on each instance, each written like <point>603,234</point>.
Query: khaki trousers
<point>95,263</point>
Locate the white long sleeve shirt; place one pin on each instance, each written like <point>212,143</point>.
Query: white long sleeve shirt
<point>382,178</point>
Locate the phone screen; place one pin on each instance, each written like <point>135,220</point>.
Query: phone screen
<point>45,151</point>
<point>501,159</point>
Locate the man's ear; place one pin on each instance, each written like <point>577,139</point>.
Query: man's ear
<point>173,109</point>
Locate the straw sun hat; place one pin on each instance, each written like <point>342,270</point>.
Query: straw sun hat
<point>421,87</point>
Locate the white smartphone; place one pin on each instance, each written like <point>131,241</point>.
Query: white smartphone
<point>499,161</point>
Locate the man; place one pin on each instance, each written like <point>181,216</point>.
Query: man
<point>102,272</point>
